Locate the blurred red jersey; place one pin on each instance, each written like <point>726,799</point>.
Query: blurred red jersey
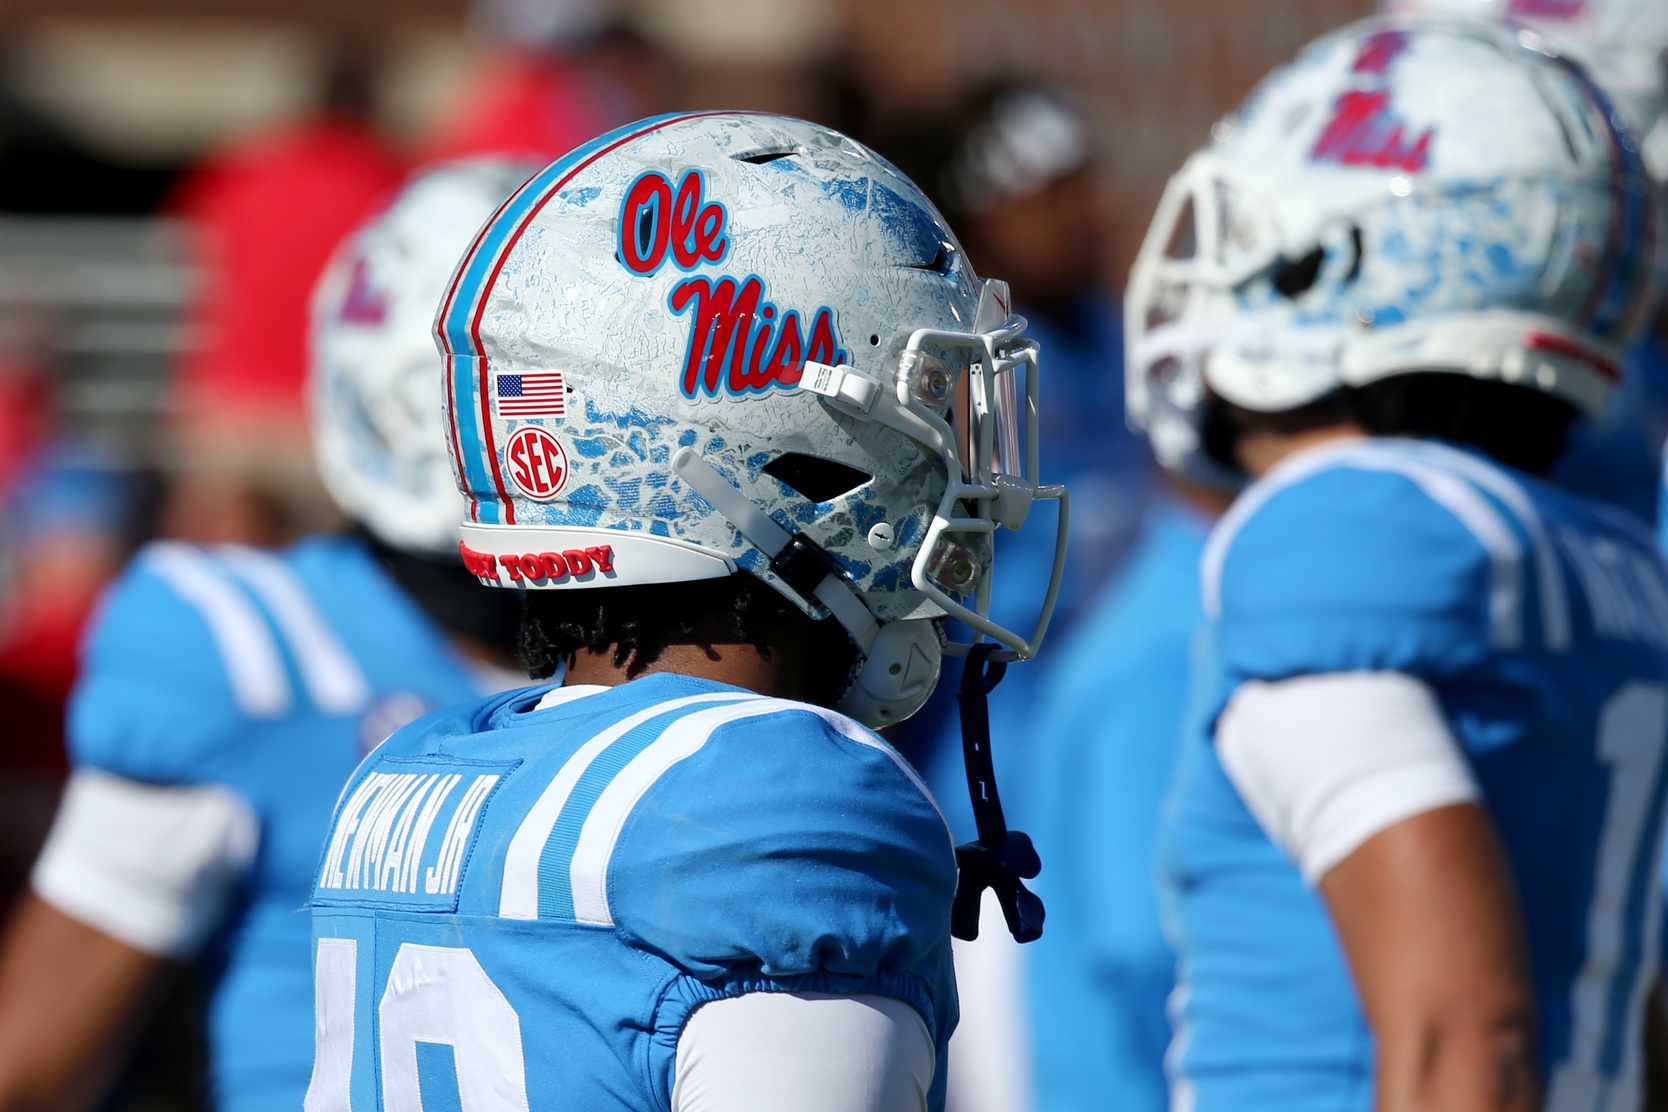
<point>270,210</point>
<point>522,104</point>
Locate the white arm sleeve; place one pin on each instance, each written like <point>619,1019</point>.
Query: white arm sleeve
<point>149,865</point>
<point>1324,762</point>
<point>803,1052</point>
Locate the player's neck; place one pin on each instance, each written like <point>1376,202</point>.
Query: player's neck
<point>1261,448</point>
<point>780,673</point>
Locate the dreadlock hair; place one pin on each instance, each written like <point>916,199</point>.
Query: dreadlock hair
<point>636,624</point>
<point>1515,425</point>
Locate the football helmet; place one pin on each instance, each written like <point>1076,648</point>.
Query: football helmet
<point>716,343</point>
<point>1622,43</point>
<point>1408,195</point>
<point>375,390</point>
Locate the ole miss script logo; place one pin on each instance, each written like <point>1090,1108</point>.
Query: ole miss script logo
<point>538,465</point>
<point>1364,129</point>
<point>740,342</point>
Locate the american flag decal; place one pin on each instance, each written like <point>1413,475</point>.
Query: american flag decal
<point>530,394</point>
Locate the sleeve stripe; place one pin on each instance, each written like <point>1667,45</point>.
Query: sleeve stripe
<point>519,896</point>
<point>1467,505</point>
<point>254,667</point>
<point>601,833</point>
<point>1554,598</point>
<point>334,679</point>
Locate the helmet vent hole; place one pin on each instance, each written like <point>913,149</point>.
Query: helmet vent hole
<point>938,264</point>
<point>1355,263</point>
<point>760,158</point>
<point>820,480</point>
<point>874,340</point>
<point>1293,278</point>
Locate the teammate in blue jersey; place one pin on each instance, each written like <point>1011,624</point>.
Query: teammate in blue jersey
<point>1097,766</point>
<point>1411,852</point>
<point>729,404</point>
<point>226,694</point>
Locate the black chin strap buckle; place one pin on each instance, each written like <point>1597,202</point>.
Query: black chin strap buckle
<point>1002,859</point>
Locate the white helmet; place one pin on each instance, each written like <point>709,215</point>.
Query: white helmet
<point>1408,195</point>
<point>725,342</point>
<point>1622,43</point>
<point>378,424</point>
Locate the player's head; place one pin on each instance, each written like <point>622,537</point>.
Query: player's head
<point>734,369</point>
<point>375,391</point>
<point>1425,224</point>
<point>1622,43</point>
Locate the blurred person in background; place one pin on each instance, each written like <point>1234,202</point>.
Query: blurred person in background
<point>1014,168</point>
<point>554,74</point>
<point>227,693</point>
<point>266,211</point>
<point>1410,852</point>
<point>1098,760</point>
<point>61,497</point>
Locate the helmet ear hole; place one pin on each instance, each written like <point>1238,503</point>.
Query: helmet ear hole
<point>820,480</point>
<point>1293,278</point>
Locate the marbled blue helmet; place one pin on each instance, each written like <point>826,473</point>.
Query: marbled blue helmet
<point>729,343</point>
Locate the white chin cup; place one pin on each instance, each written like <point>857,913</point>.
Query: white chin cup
<point>897,674</point>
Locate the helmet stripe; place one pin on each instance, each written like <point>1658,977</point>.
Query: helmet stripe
<point>459,322</point>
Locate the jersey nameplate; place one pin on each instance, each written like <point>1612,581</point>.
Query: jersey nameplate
<point>405,834</point>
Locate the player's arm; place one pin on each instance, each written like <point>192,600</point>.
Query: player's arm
<point>1358,777</point>
<point>804,1052</point>
<point>72,1001</point>
<point>132,878</point>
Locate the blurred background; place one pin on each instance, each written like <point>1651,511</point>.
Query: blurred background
<point>174,173</point>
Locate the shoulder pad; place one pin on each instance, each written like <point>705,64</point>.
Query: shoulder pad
<point>175,659</point>
<point>1416,559</point>
<point>769,834</point>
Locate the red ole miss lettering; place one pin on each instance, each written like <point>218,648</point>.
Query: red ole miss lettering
<point>740,342</point>
<point>1364,129</point>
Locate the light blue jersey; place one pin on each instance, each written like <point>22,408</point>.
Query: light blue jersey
<point>1098,764</point>
<point>519,905</point>
<point>1541,622</point>
<point>273,675</point>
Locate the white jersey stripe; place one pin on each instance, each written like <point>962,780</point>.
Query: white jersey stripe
<point>1555,603</point>
<point>601,832</point>
<point>519,896</point>
<point>333,678</point>
<point>1468,506</point>
<point>254,666</point>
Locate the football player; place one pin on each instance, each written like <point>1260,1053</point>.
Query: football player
<point>227,693</point>
<point>1411,850</point>
<point>729,405</point>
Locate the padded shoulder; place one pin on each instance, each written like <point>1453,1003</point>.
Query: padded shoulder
<point>791,840</point>
<point>1377,560</point>
<point>175,660</point>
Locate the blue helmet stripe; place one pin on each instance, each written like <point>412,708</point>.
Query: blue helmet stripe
<point>472,285</point>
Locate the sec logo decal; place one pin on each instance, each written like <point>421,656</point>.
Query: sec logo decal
<point>538,463</point>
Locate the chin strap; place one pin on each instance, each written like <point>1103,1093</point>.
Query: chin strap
<point>1002,859</point>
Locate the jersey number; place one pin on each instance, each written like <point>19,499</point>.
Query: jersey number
<point>450,1040</point>
<point>1632,726</point>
